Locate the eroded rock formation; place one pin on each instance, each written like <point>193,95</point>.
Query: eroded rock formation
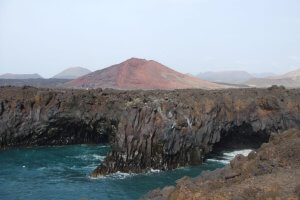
<point>30,116</point>
<point>146,129</point>
<point>273,172</point>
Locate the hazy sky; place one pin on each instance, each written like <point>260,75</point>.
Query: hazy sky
<point>190,36</point>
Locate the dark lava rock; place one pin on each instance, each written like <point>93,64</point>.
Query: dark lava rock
<point>278,177</point>
<point>147,129</point>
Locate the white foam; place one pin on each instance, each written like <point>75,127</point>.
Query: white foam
<point>228,156</point>
<point>121,175</point>
<point>90,157</point>
<point>96,177</point>
<point>117,175</point>
<point>90,167</point>
<point>231,155</point>
<point>220,161</point>
<point>98,157</point>
<point>154,170</point>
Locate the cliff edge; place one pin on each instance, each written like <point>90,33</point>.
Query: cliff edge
<point>273,172</point>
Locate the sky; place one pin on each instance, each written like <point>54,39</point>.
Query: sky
<point>190,36</point>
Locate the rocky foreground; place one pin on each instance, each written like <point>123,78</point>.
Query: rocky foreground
<point>273,172</point>
<point>146,129</point>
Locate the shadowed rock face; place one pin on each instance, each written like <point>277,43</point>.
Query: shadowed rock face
<point>30,116</point>
<point>273,172</point>
<point>146,129</point>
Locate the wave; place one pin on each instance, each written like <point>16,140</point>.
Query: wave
<point>41,168</point>
<point>90,157</point>
<point>91,167</point>
<point>154,171</point>
<point>231,155</point>
<point>226,157</point>
<point>98,157</point>
<point>219,160</point>
<point>122,175</point>
<point>117,175</point>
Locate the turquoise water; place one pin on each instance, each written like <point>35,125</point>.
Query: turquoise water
<point>63,173</point>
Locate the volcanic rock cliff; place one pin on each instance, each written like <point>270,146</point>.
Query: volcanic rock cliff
<point>146,129</point>
<point>273,172</point>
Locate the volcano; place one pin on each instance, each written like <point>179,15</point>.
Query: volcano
<point>140,74</point>
<point>72,73</point>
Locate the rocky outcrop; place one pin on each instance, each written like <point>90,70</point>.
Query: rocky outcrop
<point>180,128</point>
<point>30,117</point>
<point>146,129</point>
<point>273,172</point>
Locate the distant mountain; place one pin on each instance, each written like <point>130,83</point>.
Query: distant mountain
<point>140,74</point>
<point>292,74</point>
<point>234,77</point>
<point>263,75</point>
<point>38,82</point>
<point>72,73</point>
<point>20,76</point>
<point>290,80</point>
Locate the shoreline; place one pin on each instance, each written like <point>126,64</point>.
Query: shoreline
<point>146,129</point>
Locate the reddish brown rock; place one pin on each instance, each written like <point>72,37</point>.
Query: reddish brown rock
<point>140,74</point>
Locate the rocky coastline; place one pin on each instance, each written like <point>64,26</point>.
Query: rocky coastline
<point>272,172</point>
<point>146,129</point>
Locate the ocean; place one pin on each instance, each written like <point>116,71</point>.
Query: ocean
<point>62,172</point>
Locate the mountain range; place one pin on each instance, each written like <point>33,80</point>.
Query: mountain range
<point>234,77</point>
<point>144,74</point>
<point>36,80</point>
<point>241,78</point>
<point>20,76</point>
<point>290,80</point>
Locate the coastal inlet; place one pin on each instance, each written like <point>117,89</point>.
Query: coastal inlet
<point>62,172</point>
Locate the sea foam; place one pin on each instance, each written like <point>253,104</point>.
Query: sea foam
<point>228,156</point>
